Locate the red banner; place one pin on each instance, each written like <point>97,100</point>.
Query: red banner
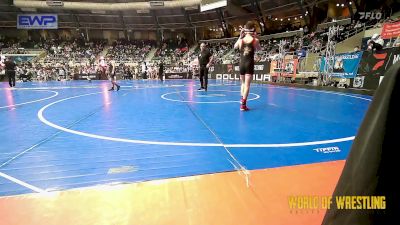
<point>390,30</point>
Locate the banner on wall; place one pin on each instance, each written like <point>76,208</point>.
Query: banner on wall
<point>287,69</point>
<point>374,65</point>
<point>231,72</point>
<point>86,76</point>
<point>345,65</point>
<point>358,82</point>
<point>178,75</point>
<point>37,21</point>
<point>21,58</point>
<point>290,67</point>
<point>390,30</point>
<point>274,65</point>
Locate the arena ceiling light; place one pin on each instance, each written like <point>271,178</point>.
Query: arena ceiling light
<point>105,6</point>
<point>206,5</point>
<point>55,3</point>
<point>143,11</point>
<point>156,3</point>
<point>28,10</point>
<point>191,8</point>
<point>98,11</point>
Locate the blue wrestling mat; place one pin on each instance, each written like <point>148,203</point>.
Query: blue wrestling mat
<point>63,135</point>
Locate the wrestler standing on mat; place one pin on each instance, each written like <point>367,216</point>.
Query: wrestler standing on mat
<point>113,78</point>
<point>248,44</point>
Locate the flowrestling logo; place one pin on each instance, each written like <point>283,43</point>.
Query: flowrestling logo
<point>37,21</point>
<point>328,150</point>
<point>370,15</point>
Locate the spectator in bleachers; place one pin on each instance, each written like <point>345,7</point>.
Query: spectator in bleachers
<point>2,60</point>
<point>161,70</point>
<point>144,70</point>
<point>375,43</point>
<point>396,43</point>
<point>301,54</point>
<point>124,51</point>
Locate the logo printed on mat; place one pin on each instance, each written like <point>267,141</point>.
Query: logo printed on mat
<point>328,150</point>
<point>122,169</point>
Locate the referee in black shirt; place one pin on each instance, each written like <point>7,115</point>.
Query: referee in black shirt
<point>205,59</point>
<point>10,71</point>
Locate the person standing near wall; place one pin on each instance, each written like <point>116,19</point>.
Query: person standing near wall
<point>205,59</point>
<point>10,67</point>
<point>161,70</point>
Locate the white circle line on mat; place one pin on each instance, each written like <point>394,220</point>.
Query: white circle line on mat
<point>199,102</point>
<point>296,144</point>
<point>38,100</point>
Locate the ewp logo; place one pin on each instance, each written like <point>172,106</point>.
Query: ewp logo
<point>35,21</point>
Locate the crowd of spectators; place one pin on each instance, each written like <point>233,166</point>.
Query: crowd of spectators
<point>65,59</point>
<point>125,51</point>
<point>172,51</point>
<point>11,47</point>
<point>73,52</point>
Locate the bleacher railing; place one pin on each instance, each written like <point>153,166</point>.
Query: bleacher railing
<point>299,32</point>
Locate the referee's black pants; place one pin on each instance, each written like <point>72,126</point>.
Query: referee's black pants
<point>160,74</point>
<point>11,77</point>
<point>203,76</point>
